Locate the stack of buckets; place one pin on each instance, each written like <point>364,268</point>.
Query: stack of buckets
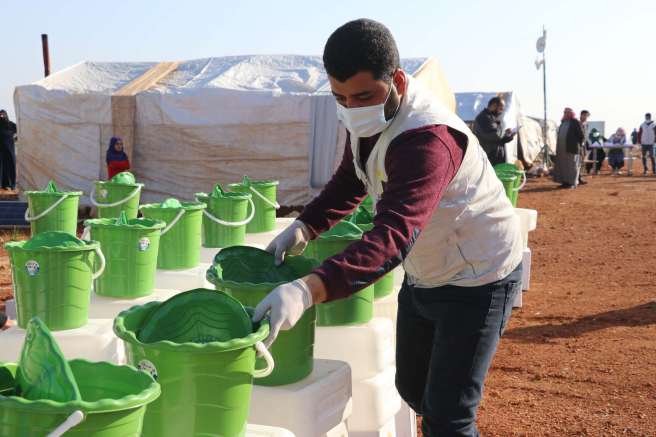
<point>201,347</point>
<point>513,180</point>
<point>249,274</point>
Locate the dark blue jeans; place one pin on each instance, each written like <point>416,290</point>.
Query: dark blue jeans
<point>445,340</point>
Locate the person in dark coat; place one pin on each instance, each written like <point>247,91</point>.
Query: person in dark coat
<point>7,152</point>
<point>488,130</point>
<point>568,151</point>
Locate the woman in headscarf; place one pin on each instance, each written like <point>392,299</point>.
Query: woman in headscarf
<point>7,152</point>
<point>117,159</point>
<point>596,140</point>
<point>568,150</point>
<point>616,155</point>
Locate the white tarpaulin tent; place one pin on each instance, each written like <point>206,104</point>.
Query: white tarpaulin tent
<point>188,125</point>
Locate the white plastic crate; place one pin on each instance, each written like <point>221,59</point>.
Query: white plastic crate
<point>102,307</point>
<point>375,402</point>
<point>387,307</point>
<point>406,421</point>
<point>94,342</point>
<point>528,219</point>
<point>367,348</point>
<point>313,407</point>
<point>526,269</point>
<point>388,430</point>
<point>267,431</point>
<point>183,279</point>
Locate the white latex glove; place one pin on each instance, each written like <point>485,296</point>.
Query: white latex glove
<point>292,240</point>
<point>285,305</point>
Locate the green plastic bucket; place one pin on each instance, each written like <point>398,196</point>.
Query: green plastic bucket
<point>114,400</point>
<point>355,309</point>
<point>52,275</point>
<point>509,182</point>
<point>503,170</point>
<point>179,243</point>
<point>203,361</point>
<point>226,217</point>
<point>264,198</point>
<point>52,210</point>
<point>122,193</point>
<point>130,248</point>
<point>249,274</point>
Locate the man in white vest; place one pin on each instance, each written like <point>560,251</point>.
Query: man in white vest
<point>440,211</point>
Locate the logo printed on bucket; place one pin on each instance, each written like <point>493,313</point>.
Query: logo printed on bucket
<point>32,267</point>
<point>144,244</point>
<point>103,193</point>
<point>148,367</point>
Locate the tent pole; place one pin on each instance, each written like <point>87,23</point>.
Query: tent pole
<point>46,54</point>
<point>544,90</point>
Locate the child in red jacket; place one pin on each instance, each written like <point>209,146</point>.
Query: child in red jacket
<point>117,159</point>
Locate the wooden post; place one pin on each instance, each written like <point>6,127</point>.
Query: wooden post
<point>46,54</point>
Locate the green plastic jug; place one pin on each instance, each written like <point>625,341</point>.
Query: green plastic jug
<point>357,308</point>
<point>249,274</point>
<point>113,403</point>
<point>264,198</point>
<point>226,217</point>
<point>130,247</point>
<point>52,275</point>
<point>179,243</point>
<point>121,193</point>
<point>52,210</point>
<point>204,362</point>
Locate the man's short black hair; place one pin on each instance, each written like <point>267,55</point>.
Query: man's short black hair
<point>361,45</point>
<point>495,101</point>
<point>585,111</point>
<point>648,115</point>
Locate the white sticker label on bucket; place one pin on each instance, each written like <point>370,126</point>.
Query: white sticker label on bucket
<point>32,267</point>
<point>103,193</point>
<point>148,367</point>
<point>144,244</point>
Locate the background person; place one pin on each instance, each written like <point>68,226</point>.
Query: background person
<point>117,159</point>
<point>647,138</point>
<point>488,130</point>
<point>568,150</point>
<point>7,152</point>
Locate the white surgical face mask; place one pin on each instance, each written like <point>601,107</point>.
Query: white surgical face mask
<point>366,121</point>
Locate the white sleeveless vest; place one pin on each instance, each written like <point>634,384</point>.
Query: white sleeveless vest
<point>473,237</point>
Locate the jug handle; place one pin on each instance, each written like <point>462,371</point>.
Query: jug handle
<point>71,421</point>
<point>264,352</point>
<point>100,271</point>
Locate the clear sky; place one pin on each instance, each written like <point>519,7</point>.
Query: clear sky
<point>600,54</point>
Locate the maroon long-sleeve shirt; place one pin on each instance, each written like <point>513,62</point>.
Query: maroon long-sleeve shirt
<point>420,163</point>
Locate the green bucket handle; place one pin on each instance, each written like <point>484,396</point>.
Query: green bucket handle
<point>523,182</point>
<point>92,197</point>
<point>210,216</point>
<point>71,422</point>
<point>86,234</point>
<point>173,222</point>
<point>46,212</point>
<point>274,205</point>
<point>264,353</point>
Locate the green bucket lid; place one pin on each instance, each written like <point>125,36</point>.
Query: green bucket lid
<point>122,221</point>
<point>43,372</point>
<point>219,193</point>
<point>249,266</point>
<point>52,240</point>
<point>197,316</point>
<point>248,182</point>
<point>173,203</point>
<point>344,230</point>
<point>124,177</point>
<point>51,189</point>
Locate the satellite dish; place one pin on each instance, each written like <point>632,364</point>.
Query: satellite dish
<point>541,43</point>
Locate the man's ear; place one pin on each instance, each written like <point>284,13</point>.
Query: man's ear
<point>400,80</point>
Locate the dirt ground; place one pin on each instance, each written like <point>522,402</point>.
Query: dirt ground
<point>579,358</point>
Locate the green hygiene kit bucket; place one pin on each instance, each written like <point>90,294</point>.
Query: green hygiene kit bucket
<point>509,182</point>
<point>121,193</point>
<point>179,243</point>
<point>52,210</point>
<point>385,285</point>
<point>226,217</point>
<point>503,171</point>
<point>45,395</point>
<point>355,309</point>
<point>52,275</point>
<point>200,346</point>
<point>130,247</point>
<point>249,274</point>
<point>264,198</point>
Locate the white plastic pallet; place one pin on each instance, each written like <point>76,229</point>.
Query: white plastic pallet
<point>367,348</point>
<point>183,279</point>
<point>94,342</point>
<point>267,431</point>
<point>313,407</point>
<point>375,402</point>
<point>102,307</point>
